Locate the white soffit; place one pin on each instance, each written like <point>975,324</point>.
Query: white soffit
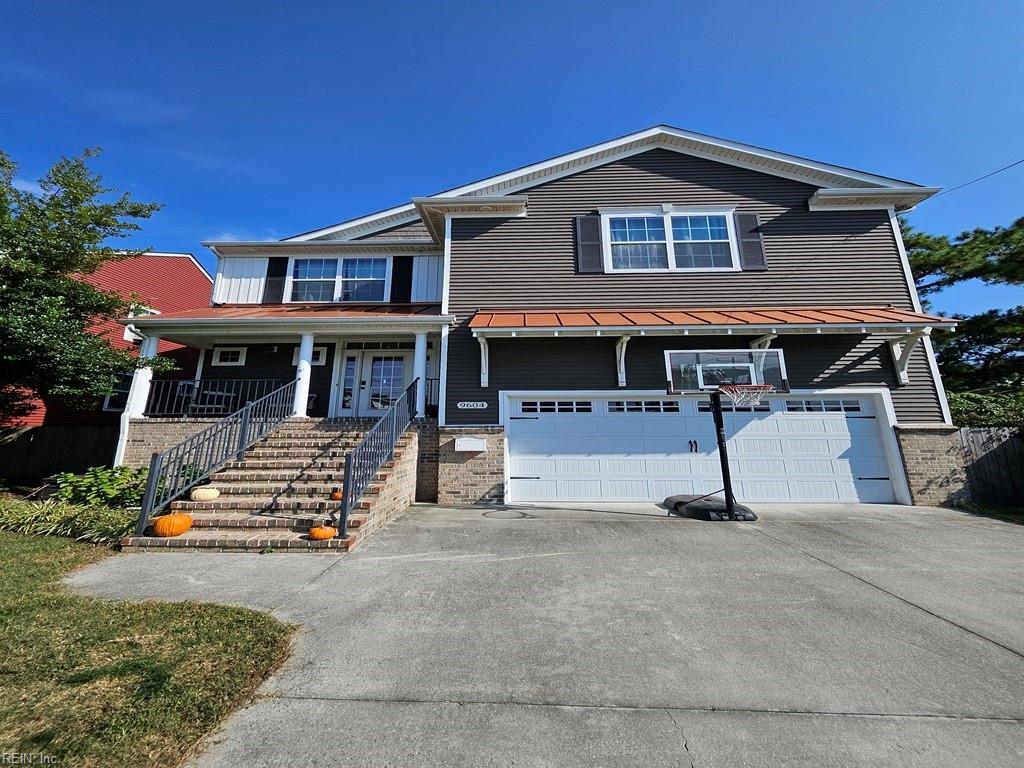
<point>661,136</point>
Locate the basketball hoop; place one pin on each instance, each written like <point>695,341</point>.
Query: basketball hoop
<point>746,395</point>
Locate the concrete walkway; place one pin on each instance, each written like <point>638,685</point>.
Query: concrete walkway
<point>829,636</point>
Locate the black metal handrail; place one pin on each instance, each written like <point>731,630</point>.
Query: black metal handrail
<point>204,397</point>
<point>182,466</point>
<point>378,446</point>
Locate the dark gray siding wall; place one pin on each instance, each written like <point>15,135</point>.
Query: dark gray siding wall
<point>414,230</point>
<point>818,362</point>
<point>262,362</point>
<point>840,257</point>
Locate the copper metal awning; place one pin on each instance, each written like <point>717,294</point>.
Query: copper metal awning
<point>711,320</point>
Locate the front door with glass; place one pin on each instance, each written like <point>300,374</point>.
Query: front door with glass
<point>384,379</point>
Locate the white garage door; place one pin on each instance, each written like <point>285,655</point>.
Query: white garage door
<point>789,448</point>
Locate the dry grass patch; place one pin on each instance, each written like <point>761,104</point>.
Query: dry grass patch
<point>102,683</point>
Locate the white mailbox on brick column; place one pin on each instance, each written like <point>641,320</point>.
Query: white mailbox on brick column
<point>470,444</point>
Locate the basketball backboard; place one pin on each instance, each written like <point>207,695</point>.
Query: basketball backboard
<point>703,370</point>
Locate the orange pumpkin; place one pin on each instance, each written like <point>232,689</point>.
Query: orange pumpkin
<point>321,532</point>
<point>173,524</point>
<point>337,495</point>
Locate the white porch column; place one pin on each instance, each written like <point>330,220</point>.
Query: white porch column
<point>138,396</point>
<point>419,371</point>
<point>302,374</point>
<point>138,393</point>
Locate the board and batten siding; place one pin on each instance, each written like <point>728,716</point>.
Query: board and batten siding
<point>427,276</point>
<point>833,257</point>
<point>240,280</point>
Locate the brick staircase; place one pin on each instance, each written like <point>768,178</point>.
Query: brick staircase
<point>281,488</point>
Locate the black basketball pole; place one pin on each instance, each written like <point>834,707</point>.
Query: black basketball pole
<point>723,453</point>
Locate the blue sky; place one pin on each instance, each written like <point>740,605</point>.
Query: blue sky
<point>262,120</point>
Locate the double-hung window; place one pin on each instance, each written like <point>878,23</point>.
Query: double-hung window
<point>669,240</point>
<point>363,279</point>
<point>346,279</point>
<point>314,279</point>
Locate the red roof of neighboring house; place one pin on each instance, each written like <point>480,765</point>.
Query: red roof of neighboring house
<point>166,282</point>
<point>685,316</point>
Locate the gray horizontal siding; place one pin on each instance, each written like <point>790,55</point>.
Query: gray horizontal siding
<point>817,362</point>
<point>835,257</point>
<point>414,230</point>
<point>261,362</point>
<point>845,257</point>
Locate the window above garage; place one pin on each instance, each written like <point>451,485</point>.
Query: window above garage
<point>669,239</point>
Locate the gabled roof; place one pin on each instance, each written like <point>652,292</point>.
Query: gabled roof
<point>823,175</point>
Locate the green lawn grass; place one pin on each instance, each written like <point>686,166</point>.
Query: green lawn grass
<point>102,683</point>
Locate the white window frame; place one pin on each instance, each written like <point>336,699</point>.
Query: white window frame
<point>106,398</point>
<point>666,212</point>
<point>321,351</point>
<point>338,279</point>
<point>216,362</point>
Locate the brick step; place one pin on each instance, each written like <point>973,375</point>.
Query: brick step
<point>313,434</point>
<point>291,442</point>
<point>233,521</point>
<point>250,504</point>
<point>333,476</point>
<point>263,452</point>
<point>212,540</point>
<point>327,425</point>
<point>287,464</point>
<point>300,474</point>
<point>290,489</point>
<point>245,521</point>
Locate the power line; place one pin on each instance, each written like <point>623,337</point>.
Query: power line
<point>972,181</point>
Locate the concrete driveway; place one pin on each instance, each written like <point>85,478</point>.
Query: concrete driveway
<point>830,636</point>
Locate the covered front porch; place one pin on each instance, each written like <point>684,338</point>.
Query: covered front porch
<point>346,361</point>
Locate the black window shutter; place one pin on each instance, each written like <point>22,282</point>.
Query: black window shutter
<point>401,279</point>
<point>273,287</point>
<point>748,231</point>
<point>589,251</point>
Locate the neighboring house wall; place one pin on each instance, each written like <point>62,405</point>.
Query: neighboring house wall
<point>836,257</point>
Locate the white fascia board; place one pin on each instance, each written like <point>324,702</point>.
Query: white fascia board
<point>700,145</point>
<point>716,330</point>
<point>288,325</point>
<point>317,246</point>
<point>868,198</point>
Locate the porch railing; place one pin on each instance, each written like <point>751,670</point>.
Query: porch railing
<point>177,469</point>
<point>206,397</point>
<point>378,446</point>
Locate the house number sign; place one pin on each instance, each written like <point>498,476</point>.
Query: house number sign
<point>471,405</point>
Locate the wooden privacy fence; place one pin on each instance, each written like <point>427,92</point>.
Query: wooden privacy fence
<point>994,460</point>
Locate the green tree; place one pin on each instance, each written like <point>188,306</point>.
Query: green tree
<point>993,255</point>
<point>986,352</point>
<point>47,240</point>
